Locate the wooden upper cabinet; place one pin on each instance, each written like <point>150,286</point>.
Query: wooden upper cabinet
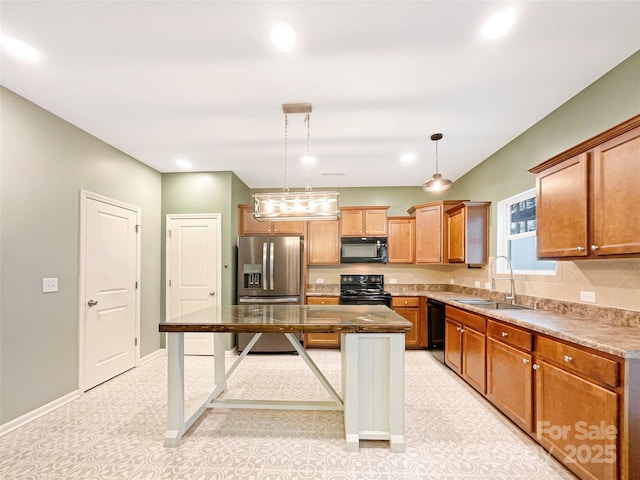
<point>401,240</point>
<point>561,211</point>
<point>323,242</point>
<point>616,196</point>
<point>431,234</point>
<point>468,233</point>
<point>363,221</point>
<point>247,225</point>
<point>588,197</point>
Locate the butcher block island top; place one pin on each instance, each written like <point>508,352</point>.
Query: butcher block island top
<point>291,319</point>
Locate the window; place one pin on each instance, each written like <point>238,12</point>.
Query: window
<point>517,235</point>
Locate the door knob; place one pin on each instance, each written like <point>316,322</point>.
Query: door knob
<point>91,303</point>
<point>212,293</point>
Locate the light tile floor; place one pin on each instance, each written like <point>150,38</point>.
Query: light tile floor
<point>115,431</point>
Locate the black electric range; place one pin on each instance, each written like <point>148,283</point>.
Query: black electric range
<point>363,290</point>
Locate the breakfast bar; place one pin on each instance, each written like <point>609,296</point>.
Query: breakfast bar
<point>372,360</point>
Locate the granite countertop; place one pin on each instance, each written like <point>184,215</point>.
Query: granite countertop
<point>619,340</point>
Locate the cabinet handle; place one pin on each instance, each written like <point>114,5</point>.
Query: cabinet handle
<point>322,302</point>
<point>406,302</point>
<point>525,360</point>
<point>462,330</point>
<point>580,249</point>
<point>458,329</point>
<point>504,334</point>
<point>594,248</point>
<point>535,366</point>
<point>567,358</point>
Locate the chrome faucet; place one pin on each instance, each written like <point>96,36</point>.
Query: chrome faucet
<point>512,295</point>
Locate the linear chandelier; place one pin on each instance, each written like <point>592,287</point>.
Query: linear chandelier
<point>296,205</point>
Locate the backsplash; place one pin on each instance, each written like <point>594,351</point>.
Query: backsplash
<point>616,284</point>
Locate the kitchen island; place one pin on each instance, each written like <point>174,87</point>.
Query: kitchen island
<point>372,364</point>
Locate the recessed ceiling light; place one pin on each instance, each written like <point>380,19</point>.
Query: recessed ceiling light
<point>182,163</point>
<point>499,24</point>
<point>19,49</point>
<point>283,37</point>
<point>408,157</point>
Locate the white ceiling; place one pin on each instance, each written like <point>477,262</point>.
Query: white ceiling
<point>199,80</point>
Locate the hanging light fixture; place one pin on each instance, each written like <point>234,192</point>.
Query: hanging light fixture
<point>300,205</point>
<point>437,183</point>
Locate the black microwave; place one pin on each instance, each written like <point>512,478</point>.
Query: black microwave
<point>363,250</point>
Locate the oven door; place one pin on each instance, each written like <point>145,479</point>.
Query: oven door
<point>371,300</point>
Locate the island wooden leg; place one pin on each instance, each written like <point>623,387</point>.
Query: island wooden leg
<point>373,388</point>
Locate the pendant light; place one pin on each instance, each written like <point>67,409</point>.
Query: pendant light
<point>300,205</point>
<point>437,183</point>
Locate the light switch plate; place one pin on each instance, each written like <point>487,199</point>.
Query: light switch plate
<point>587,296</point>
<point>393,280</point>
<point>319,280</point>
<point>476,284</point>
<point>49,285</point>
<point>452,281</point>
<point>487,285</point>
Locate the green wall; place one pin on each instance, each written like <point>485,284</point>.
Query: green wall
<point>207,192</point>
<point>45,162</point>
<point>611,100</point>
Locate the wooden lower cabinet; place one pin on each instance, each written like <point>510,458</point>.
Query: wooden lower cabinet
<point>509,382</point>
<point>465,346</point>
<point>571,399</point>
<point>409,308</point>
<point>322,340</point>
<point>577,421</point>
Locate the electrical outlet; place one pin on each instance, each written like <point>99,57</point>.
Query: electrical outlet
<point>487,285</point>
<point>319,280</point>
<point>393,280</point>
<point>452,281</point>
<point>587,296</point>
<point>49,285</point>
<point>476,284</point>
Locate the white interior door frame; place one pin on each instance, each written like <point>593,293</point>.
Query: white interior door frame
<point>84,197</point>
<point>218,253</point>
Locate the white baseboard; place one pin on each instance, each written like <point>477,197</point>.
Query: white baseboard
<point>38,412</point>
<point>161,352</point>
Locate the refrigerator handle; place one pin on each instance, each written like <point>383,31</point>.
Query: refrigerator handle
<point>264,266</point>
<point>271,251</point>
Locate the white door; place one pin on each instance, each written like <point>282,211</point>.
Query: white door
<point>110,281</point>
<point>193,273</point>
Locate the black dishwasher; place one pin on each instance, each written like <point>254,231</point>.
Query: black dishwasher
<point>436,328</point>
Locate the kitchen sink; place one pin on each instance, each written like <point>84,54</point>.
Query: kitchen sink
<point>490,304</point>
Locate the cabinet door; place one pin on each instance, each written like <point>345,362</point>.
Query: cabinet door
<point>375,222</point>
<point>510,382</point>
<point>429,234</point>
<point>456,236</point>
<point>249,225</point>
<point>288,228</point>
<point>401,240</point>
<point>411,339</point>
<point>561,211</point>
<point>453,345</point>
<point>577,421</point>
<point>473,358</point>
<point>351,222</point>
<point>322,340</point>
<point>323,242</point>
<point>616,196</point>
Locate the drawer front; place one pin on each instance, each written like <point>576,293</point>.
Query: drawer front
<point>590,364</point>
<point>323,301</point>
<point>405,301</point>
<point>477,322</point>
<point>511,335</point>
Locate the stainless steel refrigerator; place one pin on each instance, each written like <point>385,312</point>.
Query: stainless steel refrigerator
<point>269,273</point>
